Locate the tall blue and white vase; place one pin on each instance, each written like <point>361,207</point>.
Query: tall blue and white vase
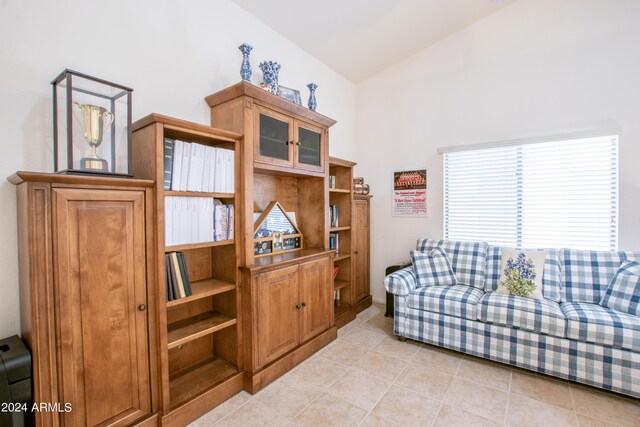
<point>245,67</point>
<point>270,71</point>
<point>312,96</point>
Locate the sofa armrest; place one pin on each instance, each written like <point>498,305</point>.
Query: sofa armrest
<point>401,282</point>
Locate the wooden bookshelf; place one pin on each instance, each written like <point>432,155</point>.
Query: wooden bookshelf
<point>285,158</point>
<point>197,334</point>
<point>342,196</point>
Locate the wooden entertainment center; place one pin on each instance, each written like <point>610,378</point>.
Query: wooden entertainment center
<point>248,320</point>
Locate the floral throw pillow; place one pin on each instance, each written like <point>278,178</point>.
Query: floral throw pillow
<point>521,273</point>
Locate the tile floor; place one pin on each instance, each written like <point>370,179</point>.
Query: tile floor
<point>369,378</point>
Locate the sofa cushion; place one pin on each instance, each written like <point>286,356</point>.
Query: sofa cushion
<point>587,274</point>
<point>543,317</point>
<point>600,325</point>
<point>468,259</point>
<point>551,277</point>
<point>433,269</point>
<point>455,300</point>
<point>623,293</point>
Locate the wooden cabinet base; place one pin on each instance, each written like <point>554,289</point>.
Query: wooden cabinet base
<point>198,406</point>
<point>363,304</point>
<point>255,382</point>
<point>343,315</point>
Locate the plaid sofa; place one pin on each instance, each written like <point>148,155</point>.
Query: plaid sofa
<point>567,335</point>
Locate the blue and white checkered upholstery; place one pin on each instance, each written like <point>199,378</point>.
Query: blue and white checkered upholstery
<point>587,273</point>
<point>623,293</point>
<point>593,364</point>
<point>492,277</point>
<point>551,277</point>
<point>455,300</point>
<point>468,259</point>
<point>544,316</point>
<point>433,269</point>
<point>401,282</point>
<point>592,344</point>
<point>600,325</point>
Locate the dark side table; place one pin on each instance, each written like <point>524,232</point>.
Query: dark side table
<point>388,271</point>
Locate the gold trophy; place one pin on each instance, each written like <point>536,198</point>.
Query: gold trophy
<point>95,120</point>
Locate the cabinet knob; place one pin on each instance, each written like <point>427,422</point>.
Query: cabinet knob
<point>304,304</point>
<point>142,307</point>
<point>356,252</point>
<point>298,306</point>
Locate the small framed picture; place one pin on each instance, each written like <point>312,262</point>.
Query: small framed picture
<point>290,94</point>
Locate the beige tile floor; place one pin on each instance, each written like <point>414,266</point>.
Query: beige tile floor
<point>369,378</point>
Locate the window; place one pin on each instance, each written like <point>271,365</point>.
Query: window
<point>543,194</point>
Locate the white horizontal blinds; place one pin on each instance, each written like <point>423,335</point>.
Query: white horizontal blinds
<point>480,195</point>
<point>550,194</point>
<point>570,194</point>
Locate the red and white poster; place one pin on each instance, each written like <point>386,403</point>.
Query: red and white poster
<point>410,193</point>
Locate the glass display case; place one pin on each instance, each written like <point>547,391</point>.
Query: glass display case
<point>91,125</point>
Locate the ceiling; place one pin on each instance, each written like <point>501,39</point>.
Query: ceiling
<point>359,38</point>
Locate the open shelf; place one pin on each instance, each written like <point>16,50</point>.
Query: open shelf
<point>190,383</point>
<point>198,245</point>
<point>340,228</point>
<point>199,194</point>
<point>339,190</point>
<point>340,284</point>
<point>192,328</point>
<point>204,289</point>
<point>340,257</point>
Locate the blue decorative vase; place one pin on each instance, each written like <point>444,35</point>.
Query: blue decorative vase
<point>270,71</point>
<point>245,68</point>
<point>312,96</point>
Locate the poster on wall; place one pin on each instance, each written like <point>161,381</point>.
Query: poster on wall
<point>410,193</point>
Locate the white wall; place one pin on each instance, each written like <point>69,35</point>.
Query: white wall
<point>171,53</point>
<point>537,67</point>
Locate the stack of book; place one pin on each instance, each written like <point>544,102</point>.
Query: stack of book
<point>189,166</point>
<point>190,220</point>
<point>178,284</point>
<point>333,216</point>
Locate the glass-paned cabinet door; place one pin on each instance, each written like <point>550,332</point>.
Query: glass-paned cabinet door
<point>309,150</point>
<point>274,137</point>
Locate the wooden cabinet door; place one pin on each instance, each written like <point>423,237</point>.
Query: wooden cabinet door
<point>273,137</point>
<point>100,291</point>
<point>315,297</point>
<point>361,252</point>
<point>277,317</point>
<point>309,150</point>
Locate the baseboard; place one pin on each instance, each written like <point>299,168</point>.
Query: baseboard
<point>379,300</point>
